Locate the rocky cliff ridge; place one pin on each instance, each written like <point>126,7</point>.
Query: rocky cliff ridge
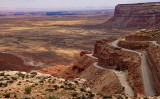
<point>141,15</point>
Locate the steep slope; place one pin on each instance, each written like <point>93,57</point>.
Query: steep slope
<point>14,63</point>
<point>100,81</point>
<point>141,15</point>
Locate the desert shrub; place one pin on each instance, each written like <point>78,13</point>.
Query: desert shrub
<point>66,88</point>
<point>52,97</point>
<point>6,78</point>
<point>72,88</point>
<point>1,84</point>
<point>90,95</point>
<point>56,87</point>
<point>61,86</point>
<point>70,85</point>
<point>11,81</point>
<point>21,75</point>
<point>50,90</point>
<point>28,90</point>
<point>82,89</point>
<point>5,84</point>
<point>109,96</point>
<point>13,78</point>
<point>99,94</point>
<point>119,97</point>
<point>74,94</point>
<point>1,74</point>
<point>32,76</point>
<point>6,95</point>
<point>41,81</point>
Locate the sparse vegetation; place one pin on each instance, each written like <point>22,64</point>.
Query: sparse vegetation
<point>52,97</point>
<point>2,74</point>
<point>74,94</point>
<point>28,90</point>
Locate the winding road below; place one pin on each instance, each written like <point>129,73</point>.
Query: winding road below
<point>121,76</point>
<point>27,61</point>
<point>145,71</point>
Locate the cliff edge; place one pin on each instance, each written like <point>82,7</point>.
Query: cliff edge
<point>140,15</point>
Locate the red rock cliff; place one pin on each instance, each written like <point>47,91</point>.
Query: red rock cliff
<point>154,63</point>
<point>142,15</point>
<point>110,57</point>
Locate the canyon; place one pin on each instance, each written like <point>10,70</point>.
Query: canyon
<point>59,58</point>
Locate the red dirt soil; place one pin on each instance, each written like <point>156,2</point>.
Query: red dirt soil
<point>14,63</point>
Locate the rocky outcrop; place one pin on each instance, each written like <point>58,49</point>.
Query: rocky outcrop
<point>100,81</point>
<point>110,57</point>
<point>153,57</point>
<point>139,37</point>
<point>133,45</point>
<point>141,15</point>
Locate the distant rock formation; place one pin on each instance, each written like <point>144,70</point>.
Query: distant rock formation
<point>141,15</point>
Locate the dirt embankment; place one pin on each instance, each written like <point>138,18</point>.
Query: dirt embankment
<point>110,57</point>
<point>153,57</point>
<point>14,63</point>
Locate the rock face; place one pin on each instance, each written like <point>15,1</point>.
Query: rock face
<point>133,45</point>
<point>139,37</point>
<point>154,63</point>
<point>141,15</point>
<point>110,57</point>
<point>100,81</point>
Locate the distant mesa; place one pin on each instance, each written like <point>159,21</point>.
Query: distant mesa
<point>140,15</point>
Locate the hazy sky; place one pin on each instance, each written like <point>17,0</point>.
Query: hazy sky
<point>65,3</point>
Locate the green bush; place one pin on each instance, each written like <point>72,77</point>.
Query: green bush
<point>28,90</point>
<point>5,84</point>
<point>21,75</point>
<point>109,96</point>
<point>74,94</point>
<point>82,89</point>
<point>13,78</point>
<point>1,74</point>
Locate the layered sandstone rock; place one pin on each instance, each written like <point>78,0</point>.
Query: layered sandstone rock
<point>133,45</point>
<point>141,15</point>
<point>110,57</point>
<point>139,37</point>
<point>153,58</point>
